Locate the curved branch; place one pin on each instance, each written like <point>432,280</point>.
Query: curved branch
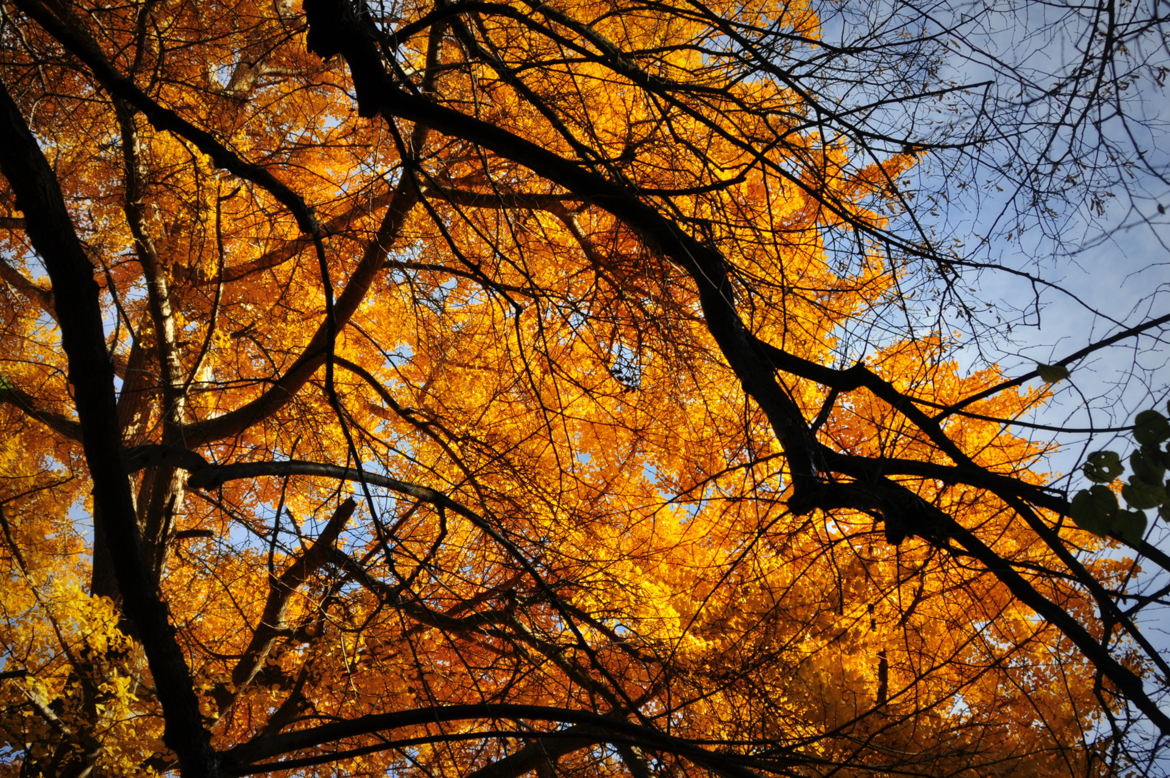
<point>38,295</point>
<point>318,349</point>
<point>379,94</point>
<point>280,591</point>
<point>163,118</point>
<point>59,423</point>
<point>242,759</point>
<point>893,502</point>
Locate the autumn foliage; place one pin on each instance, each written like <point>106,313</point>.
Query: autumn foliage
<point>485,397</point>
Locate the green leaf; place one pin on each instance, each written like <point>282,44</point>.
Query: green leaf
<point>1093,509</point>
<point>1142,495</point>
<point>1151,428</point>
<point>1050,374</point>
<point>1148,466</point>
<point>1130,525</point>
<point>1103,466</point>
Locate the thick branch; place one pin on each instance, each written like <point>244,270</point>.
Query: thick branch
<point>163,118</point>
<point>379,94</point>
<point>62,425</point>
<point>238,760</point>
<point>540,752</point>
<point>895,503</point>
<point>272,620</point>
<point>38,295</point>
<point>80,318</point>
<point>315,353</point>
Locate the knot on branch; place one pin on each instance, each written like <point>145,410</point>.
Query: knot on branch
<point>326,20</point>
<point>344,27</point>
<point>901,512</point>
<point>155,454</point>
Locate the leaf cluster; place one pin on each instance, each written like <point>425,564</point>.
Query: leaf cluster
<point>1097,509</point>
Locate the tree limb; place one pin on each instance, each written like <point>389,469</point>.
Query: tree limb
<point>80,318</point>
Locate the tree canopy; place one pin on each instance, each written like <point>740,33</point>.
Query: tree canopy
<point>547,388</point>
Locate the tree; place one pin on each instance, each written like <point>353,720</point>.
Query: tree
<point>470,389</point>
